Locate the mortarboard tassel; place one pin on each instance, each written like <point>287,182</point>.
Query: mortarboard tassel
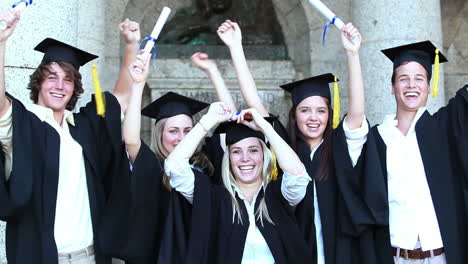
<point>336,104</point>
<point>274,171</point>
<point>435,82</point>
<point>98,95</point>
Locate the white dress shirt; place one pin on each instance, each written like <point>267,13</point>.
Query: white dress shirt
<point>72,227</point>
<point>256,249</point>
<point>412,213</point>
<point>317,219</point>
<point>413,221</point>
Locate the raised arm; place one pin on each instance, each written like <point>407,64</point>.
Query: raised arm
<point>130,32</point>
<point>288,160</point>
<point>295,178</point>
<point>355,116</point>
<point>132,122</point>
<point>176,165</point>
<point>12,18</point>
<point>202,62</point>
<point>231,35</point>
<point>217,113</point>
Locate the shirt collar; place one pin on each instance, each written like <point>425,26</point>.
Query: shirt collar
<point>239,193</point>
<point>312,152</point>
<point>390,120</point>
<point>45,113</point>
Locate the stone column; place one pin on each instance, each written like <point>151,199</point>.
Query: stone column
<point>385,24</point>
<point>91,37</point>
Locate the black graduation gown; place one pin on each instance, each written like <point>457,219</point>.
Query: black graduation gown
<point>28,198</point>
<point>442,140</point>
<point>215,238</point>
<point>145,215</point>
<point>338,246</point>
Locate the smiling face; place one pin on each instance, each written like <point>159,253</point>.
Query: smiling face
<point>312,117</point>
<point>175,129</point>
<point>410,87</point>
<point>56,89</point>
<point>246,160</point>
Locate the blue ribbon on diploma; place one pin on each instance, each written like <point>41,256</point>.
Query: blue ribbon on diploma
<point>154,51</point>
<point>27,2</point>
<point>331,22</point>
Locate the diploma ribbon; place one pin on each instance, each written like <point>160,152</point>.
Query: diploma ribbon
<point>154,51</point>
<point>26,2</point>
<point>331,22</point>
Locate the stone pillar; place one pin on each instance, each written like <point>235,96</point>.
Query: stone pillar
<point>91,38</point>
<point>455,28</point>
<point>385,24</point>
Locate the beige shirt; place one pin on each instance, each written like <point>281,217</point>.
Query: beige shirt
<point>72,227</point>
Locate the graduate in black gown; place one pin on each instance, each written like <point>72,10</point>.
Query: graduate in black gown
<point>60,166</point>
<point>249,219</point>
<point>421,187</point>
<point>158,218</point>
<point>312,136</point>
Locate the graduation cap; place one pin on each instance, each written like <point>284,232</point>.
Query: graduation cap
<point>55,50</point>
<point>424,53</point>
<point>236,132</point>
<point>172,104</point>
<point>316,86</point>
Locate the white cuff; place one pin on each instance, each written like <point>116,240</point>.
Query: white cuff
<point>294,188</point>
<point>356,138</point>
<point>181,177</point>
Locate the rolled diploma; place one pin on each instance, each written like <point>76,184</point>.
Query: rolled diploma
<point>20,7</point>
<point>157,28</point>
<point>329,14</point>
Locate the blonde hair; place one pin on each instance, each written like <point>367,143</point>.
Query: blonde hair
<point>230,183</point>
<point>161,153</point>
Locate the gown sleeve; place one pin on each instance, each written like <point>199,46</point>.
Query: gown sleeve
<point>16,192</point>
<point>362,187</point>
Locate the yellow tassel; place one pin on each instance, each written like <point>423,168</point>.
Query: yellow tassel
<point>435,82</point>
<point>98,95</point>
<point>336,104</point>
<point>274,172</point>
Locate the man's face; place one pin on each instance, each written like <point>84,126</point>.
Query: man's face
<point>56,89</point>
<point>411,87</point>
<point>219,6</point>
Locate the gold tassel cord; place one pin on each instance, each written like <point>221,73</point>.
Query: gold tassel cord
<point>274,172</point>
<point>336,104</point>
<point>98,95</point>
<point>435,82</point>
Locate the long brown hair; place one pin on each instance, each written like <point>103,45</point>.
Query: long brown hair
<point>43,70</point>
<point>326,159</point>
<point>198,158</point>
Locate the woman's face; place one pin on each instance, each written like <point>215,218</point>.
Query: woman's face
<point>174,131</point>
<point>312,117</point>
<point>246,159</point>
